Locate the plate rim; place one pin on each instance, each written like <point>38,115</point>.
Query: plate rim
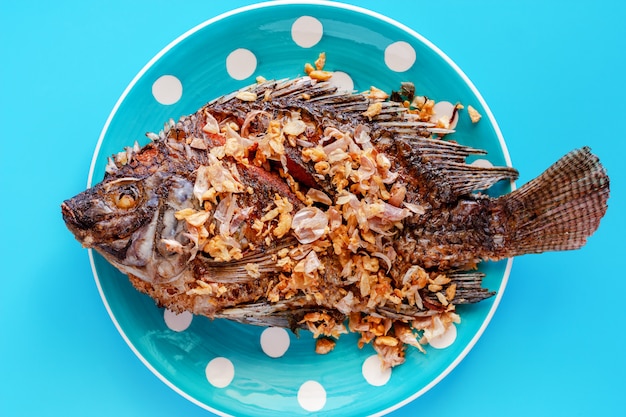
<point>329,4</point>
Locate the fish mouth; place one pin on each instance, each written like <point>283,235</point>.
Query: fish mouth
<point>68,214</point>
<point>69,217</point>
<point>74,224</point>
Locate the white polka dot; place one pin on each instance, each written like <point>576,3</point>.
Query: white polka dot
<point>482,163</point>
<point>374,373</point>
<point>307,31</point>
<point>177,322</point>
<point>399,56</point>
<point>275,341</point>
<point>446,339</point>
<point>342,81</point>
<point>444,110</point>
<point>167,89</point>
<point>220,372</point>
<point>241,64</point>
<point>312,396</point>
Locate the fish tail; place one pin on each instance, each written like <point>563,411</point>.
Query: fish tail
<point>559,209</point>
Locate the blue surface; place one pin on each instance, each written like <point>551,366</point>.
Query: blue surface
<point>553,75</point>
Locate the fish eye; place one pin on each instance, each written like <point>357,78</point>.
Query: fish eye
<point>127,197</point>
<point>125,201</point>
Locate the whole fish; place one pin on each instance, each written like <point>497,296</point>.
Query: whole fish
<point>289,203</point>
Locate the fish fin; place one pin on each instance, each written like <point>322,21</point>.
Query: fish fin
<point>392,116</point>
<point>458,178</point>
<point>431,156</point>
<point>237,270</point>
<point>288,314</point>
<point>441,166</point>
<point>297,89</point>
<point>281,314</point>
<point>307,91</point>
<point>400,133</point>
<point>469,288</point>
<point>561,208</point>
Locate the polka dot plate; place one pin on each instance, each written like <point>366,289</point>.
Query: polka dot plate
<point>235,369</point>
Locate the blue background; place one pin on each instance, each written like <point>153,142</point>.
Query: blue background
<point>554,75</point>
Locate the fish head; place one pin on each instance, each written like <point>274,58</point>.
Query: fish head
<point>108,212</point>
<point>125,219</point>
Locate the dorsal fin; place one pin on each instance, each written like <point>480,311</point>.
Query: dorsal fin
<point>438,165</point>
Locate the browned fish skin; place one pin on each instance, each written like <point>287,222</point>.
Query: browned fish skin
<point>400,214</point>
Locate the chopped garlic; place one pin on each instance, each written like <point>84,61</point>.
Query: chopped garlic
<point>246,96</point>
<point>172,245</point>
<point>321,61</point>
<point>474,115</point>
<point>373,110</point>
<point>294,127</point>
<point>324,345</point>
<point>252,269</point>
<point>211,126</point>
<point>309,224</point>
<point>376,94</point>
<point>320,75</point>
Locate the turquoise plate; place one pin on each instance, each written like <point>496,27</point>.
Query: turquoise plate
<point>235,369</point>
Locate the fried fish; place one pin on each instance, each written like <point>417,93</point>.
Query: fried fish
<point>289,203</point>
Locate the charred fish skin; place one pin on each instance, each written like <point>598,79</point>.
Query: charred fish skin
<point>289,203</point>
